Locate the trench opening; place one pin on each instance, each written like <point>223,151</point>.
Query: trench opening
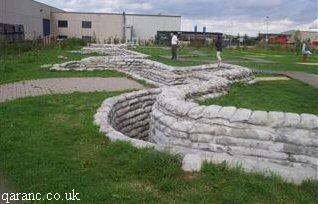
<point>132,115</point>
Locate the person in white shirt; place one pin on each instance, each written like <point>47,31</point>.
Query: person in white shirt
<point>305,52</point>
<point>174,45</point>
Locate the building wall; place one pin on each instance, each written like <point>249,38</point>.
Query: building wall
<point>311,35</point>
<point>103,25</point>
<point>303,35</point>
<point>28,13</point>
<point>281,40</point>
<point>146,26</point>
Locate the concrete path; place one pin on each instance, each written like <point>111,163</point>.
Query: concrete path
<point>4,190</point>
<point>311,79</point>
<point>64,85</point>
<point>308,63</point>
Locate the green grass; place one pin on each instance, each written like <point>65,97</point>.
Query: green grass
<point>49,144</point>
<point>259,59</point>
<point>28,66</point>
<point>289,96</point>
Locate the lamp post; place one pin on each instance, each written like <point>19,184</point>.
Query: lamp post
<point>230,28</point>
<point>267,24</point>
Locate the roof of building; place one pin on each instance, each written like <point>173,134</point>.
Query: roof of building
<point>290,32</point>
<point>190,32</point>
<point>109,13</point>
<point>61,10</point>
<point>274,34</point>
<point>113,13</point>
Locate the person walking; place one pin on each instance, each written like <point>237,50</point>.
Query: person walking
<point>218,46</point>
<point>305,52</point>
<point>174,45</point>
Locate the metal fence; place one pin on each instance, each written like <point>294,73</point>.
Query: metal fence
<point>11,33</point>
<point>164,37</point>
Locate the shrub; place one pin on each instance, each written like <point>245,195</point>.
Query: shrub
<point>73,43</point>
<point>197,42</point>
<point>10,48</point>
<point>109,40</point>
<point>116,40</point>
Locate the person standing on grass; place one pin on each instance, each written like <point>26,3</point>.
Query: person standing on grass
<point>218,46</point>
<point>305,51</point>
<point>174,45</point>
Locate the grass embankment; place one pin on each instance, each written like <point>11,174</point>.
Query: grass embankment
<point>289,96</point>
<point>260,59</point>
<point>49,144</point>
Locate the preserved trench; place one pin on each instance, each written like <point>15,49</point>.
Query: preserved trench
<point>168,118</point>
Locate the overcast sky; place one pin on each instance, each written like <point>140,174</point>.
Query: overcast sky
<point>229,16</point>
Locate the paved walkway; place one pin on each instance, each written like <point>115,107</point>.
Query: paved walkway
<point>64,85</point>
<point>311,79</point>
<point>4,189</point>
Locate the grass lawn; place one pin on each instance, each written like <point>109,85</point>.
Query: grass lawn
<point>49,144</point>
<point>28,66</point>
<point>259,59</point>
<point>289,96</point>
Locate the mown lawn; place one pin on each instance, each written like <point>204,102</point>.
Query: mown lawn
<point>260,59</point>
<point>27,65</point>
<point>289,96</point>
<point>49,144</point>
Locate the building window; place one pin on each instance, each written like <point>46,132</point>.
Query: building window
<point>86,24</point>
<point>87,38</point>
<point>62,37</point>
<point>62,24</point>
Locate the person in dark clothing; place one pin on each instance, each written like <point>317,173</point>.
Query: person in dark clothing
<point>218,46</point>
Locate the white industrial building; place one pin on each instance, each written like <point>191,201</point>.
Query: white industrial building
<point>31,14</point>
<point>40,20</point>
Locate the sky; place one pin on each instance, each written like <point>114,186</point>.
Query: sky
<point>228,16</point>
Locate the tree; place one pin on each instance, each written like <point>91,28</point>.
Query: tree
<point>297,41</point>
<point>245,39</point>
